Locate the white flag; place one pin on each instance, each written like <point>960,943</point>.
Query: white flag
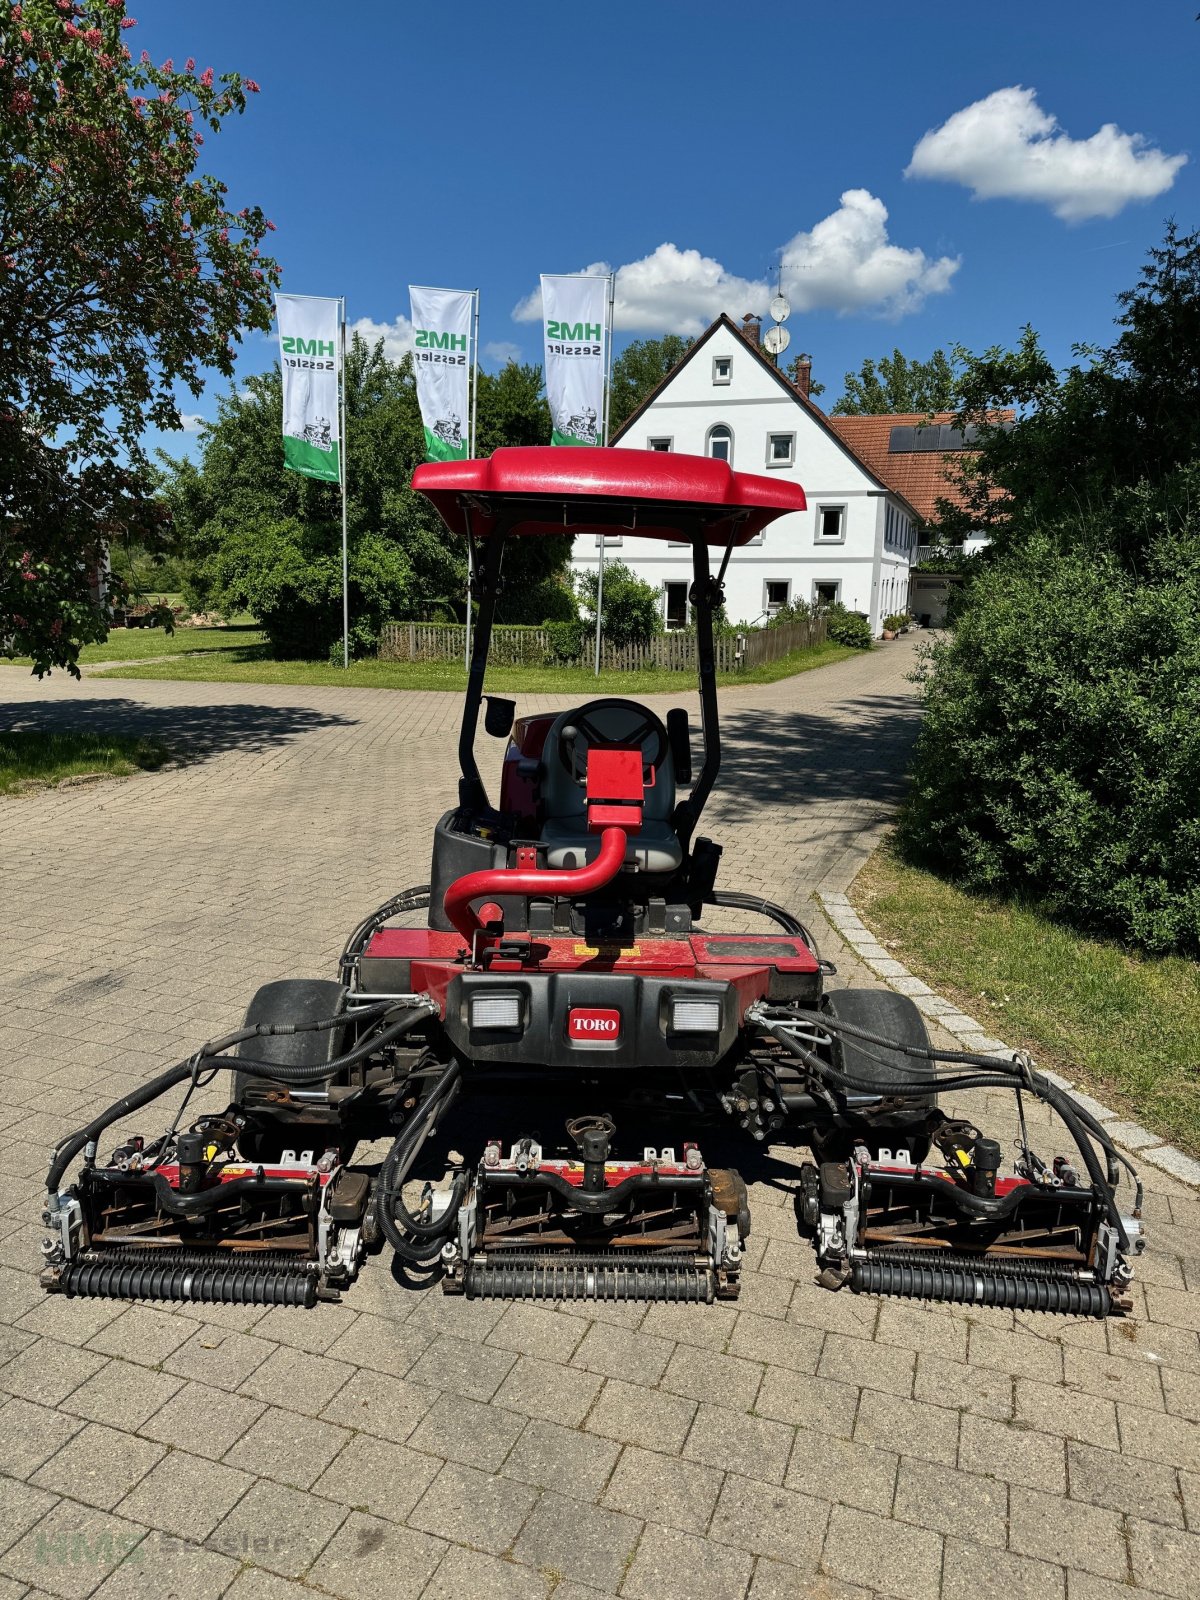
<point>442,363</point>
<point>310,362</point>
<point>573,315</point>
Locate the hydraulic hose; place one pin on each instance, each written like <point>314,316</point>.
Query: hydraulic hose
<point>407,900</point>
<point>767,908</point>
<point>396,1166</point>
<point>206,1057</point>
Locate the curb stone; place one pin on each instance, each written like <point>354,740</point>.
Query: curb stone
<point>971,1034</point>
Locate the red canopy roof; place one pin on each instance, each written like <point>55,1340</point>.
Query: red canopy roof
<point>544,489</point>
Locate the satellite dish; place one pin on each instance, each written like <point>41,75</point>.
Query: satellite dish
<point>776,340</point>
<point>779,308</point>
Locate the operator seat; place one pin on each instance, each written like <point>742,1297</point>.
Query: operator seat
<point>609,724</point>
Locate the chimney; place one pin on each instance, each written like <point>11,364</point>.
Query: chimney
<point>803,369</point>
<point>751,327</point>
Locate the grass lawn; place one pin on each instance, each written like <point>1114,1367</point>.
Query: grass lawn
<point>136,644</point>
<point>249,663</point>
<point>1126,1027</point>
<point>36,759</point>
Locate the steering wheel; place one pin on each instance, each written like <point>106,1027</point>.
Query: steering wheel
<point>644,727</point>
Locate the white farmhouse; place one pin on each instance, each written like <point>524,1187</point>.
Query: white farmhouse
<point>855,543</point>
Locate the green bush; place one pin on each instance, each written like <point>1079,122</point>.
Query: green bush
<point>631,607</point>
<point>1060,750</point>
<point>897,620</point>
<point>566,641</point>
<point>795,611</point>
<point>850,628</point>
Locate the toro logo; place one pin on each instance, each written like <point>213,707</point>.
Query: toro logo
<point>597,1027</point>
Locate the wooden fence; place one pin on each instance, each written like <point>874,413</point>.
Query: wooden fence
<point>672,652</point>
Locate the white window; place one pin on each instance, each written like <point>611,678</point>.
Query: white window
<point>659,444</point>
<point>831,524</point>
<point>781,449</point>
<point>675,605</point>
<point>722,369</point>
<point>826,592</point>
<point>719,443</point>
<point>608,540</point>
<point>777,592</point>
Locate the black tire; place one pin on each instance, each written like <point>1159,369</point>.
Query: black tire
<point>892,1016</point>
<point>288,1000</point>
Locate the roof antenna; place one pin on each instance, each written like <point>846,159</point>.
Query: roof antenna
<point>777,338</point>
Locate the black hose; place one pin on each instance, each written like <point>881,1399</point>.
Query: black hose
<point>766,908</point>
<point>407,900</point>
<point>397,1163</point>
<point>66,1152</point>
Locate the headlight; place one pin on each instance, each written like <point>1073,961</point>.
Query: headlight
<point>695,1016</point>
<point>496,1011</point>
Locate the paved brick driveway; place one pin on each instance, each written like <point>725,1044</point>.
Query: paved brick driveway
<point>799,1444</point>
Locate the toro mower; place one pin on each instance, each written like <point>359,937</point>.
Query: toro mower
<point>566,979</point>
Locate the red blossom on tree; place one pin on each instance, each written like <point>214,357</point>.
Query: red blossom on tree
<point>125,273</point>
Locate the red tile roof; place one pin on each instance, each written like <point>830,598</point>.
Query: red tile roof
<point>919,475</point>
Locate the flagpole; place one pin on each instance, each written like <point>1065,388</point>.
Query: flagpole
<point>471,453</point>
<point>345,542</point>
<point>612,291</point>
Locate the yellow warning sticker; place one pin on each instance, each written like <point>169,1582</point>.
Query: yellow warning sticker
<point>611,952</point>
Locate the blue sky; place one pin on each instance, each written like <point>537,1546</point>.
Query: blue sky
<point>479,145</point>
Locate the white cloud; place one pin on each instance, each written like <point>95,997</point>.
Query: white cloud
<point>502,351</point>
<point>1006,147</point>
<point>848,263</point>
<point>191,421</point>
<point>845,263</point>
<point>397,335</point>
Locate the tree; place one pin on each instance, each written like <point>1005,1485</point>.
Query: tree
<point>123,272</point>
<point>895,383</point>
<point>630,606</point>
<point>247,524</point>
<point>638,370</point>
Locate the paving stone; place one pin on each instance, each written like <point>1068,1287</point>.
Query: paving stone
<point>679,1494</point>
<point>472,1370</point>
<point>219,1357</point>
<point>46,1372</point>
<point>617,1353</point>
<point>371,1557</point>
<point>769,1521</point>
<point>1173,1440</point>
<point>1189,1494</point>
<point>382,1344</point>
<point>1053,1409</point>
<point>1084,1536</point>
<point>469,1572</point>
<point>99,1466</point>
<point>573,1463</point>
<point>163,1566</point>
<point>289,1447</point>
<point>1181,1392</point>
<point>774,1581</point>
<point>378,1476</point>
<point>816,1403</point>
<point>1164,1559</point>
<point>949,1501</point>
<point>54,1316</point>
<point>1017,1454</point>
<point>905,1427</point>
<point>20,1507</point>
<point>72,1549</point>
<point>1017,1353</point>
<point>633,1415</point>
<point>283,1530</point>
<point>475,1508</point>
<point>464,1430</point>
<point>186,1495</point>
<point>1124,1483</point>
<point>892,1557</point>
<point>836,1469</point>
<point>681,1325</point>
<point>930,1332</point>
<point>735,1442</point>
<point>779,1344</point>
<point>1098,1372</point>
<point>975,1569</point>
<point>1175,1308</point>
<point>530,1330</point>
<point>455,1315</point>
<point>377,1403</point>
<point>960,1387</point>
<point>1166,1157</point>
<point>203,1421</point>
<point>142,1335</point>
<point>32,1434</point>
<point>122,1395</point>
<point>296,1380</point>
<point>540,1389</point>
<point>868,1366</point>
<point>573,1540</point>
<point>707,1375</point>
<point>672,1565</point>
